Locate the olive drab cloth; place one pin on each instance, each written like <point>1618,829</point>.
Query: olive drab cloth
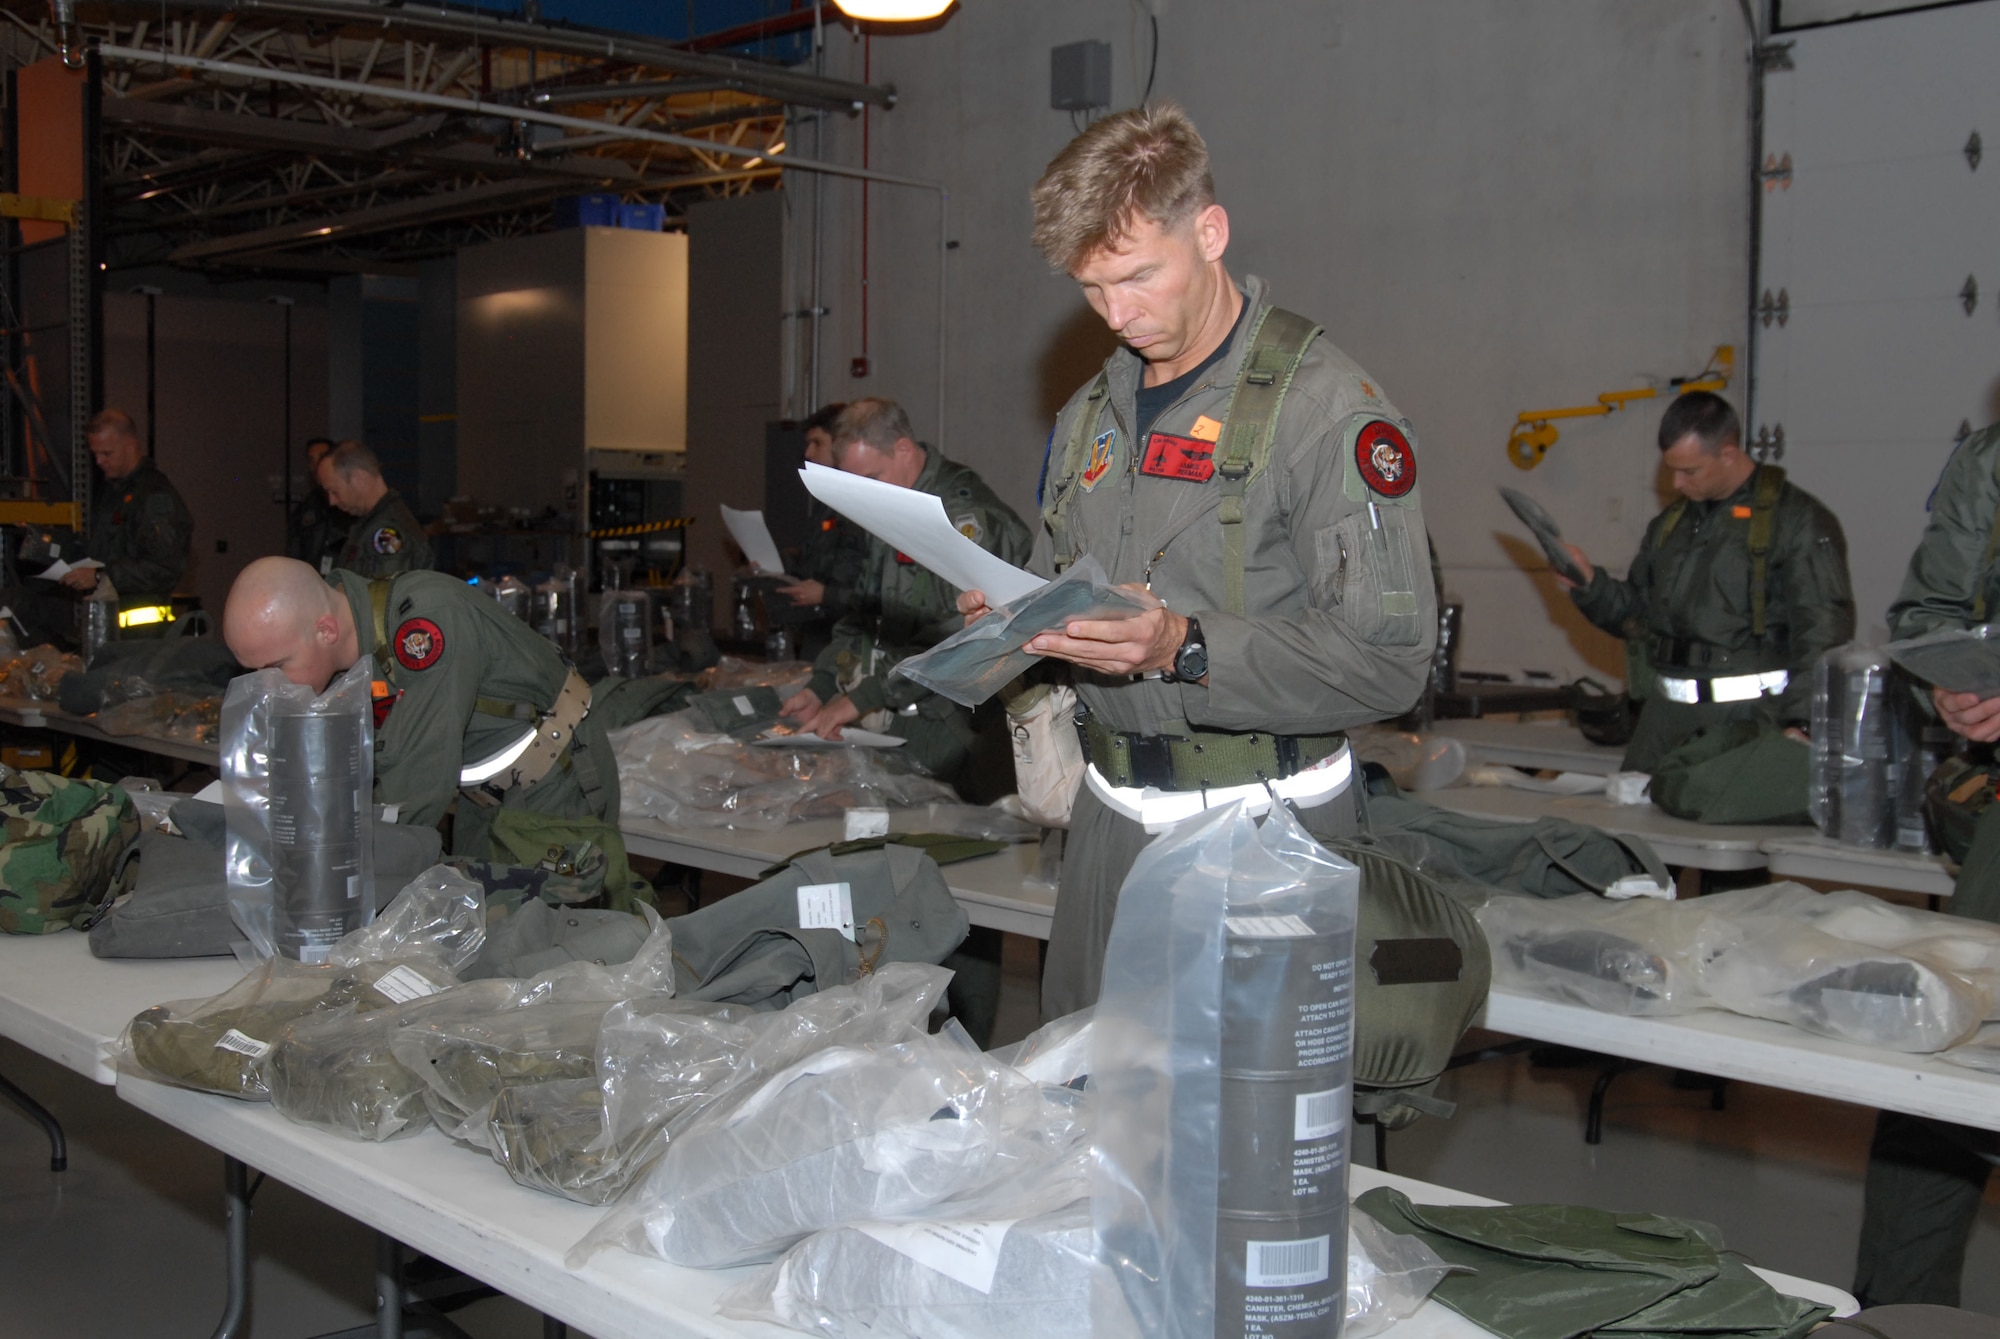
<point>388,540</point>
<point>452,659</point>
<point>60,843</point>
<point>901,608</point>
<point>140,530</point>
<point>1558,1271</point>
<point>1338,617</point>
<point>1691,598</point>
<point>316,530</point>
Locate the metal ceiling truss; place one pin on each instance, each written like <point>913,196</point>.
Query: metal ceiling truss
<point>344,135</point>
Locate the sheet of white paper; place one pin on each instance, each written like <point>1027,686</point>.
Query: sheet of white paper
<point>60,569</point>
<point>915,524</point>
<point>752,536</point>
<point>867,739</point>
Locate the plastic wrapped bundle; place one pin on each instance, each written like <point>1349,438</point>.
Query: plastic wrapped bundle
<point>440,914</point>
<point>1982,1052</point>
<point>676,769</point>
<point>844,1135</point>
<point>1388,1276</point>
<point>220,1045</point>
<point>1783,967</point>
<point>1629,958</point>
<point>933,1280</point>
<point>466,1063</point>
<point>337,1070</point>
<point>661,1062</point>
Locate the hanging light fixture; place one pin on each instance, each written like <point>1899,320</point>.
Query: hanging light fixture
<point>892,11</point>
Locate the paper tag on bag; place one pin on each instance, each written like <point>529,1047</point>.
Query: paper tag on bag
<point>864,823</point>
<point>827,906</point>
<point>400,985</point>
<point>233,1040</point>
<point>743,707</point>
<point>967,1253</point>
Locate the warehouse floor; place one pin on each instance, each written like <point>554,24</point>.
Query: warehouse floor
<point>128,1241</point>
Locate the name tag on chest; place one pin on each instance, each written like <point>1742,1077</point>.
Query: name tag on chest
<point>1183,458</point>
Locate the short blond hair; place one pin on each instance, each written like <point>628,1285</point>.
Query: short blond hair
<point>872,421</point>
<point>1149,163</point>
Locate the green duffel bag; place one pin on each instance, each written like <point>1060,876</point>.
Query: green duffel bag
<point>1422,969</point>
<point>1743,772</point>
<point>63,838</point>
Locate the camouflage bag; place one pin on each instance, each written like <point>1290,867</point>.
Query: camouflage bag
<point>63,840</point>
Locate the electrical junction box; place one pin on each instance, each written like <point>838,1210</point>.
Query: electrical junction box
<point>1080,76</point>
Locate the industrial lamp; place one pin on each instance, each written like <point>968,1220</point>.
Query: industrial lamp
<point>892,11</point>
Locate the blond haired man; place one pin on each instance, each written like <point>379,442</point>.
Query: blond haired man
<point>1258,482</point>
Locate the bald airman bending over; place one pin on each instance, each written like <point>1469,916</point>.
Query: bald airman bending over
<point>472,702</point>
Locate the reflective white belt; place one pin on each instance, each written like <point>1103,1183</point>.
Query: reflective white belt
<point>144,615</point>
<point>1734,688</point>
<point>1160,809</point>
<point>479,773</point>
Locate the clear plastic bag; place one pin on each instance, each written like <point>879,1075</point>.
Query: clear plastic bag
<point>1860,745</point>
<point>466,1063</point>
<point>220,1044</point>
<point>439,914</point>
<point>297,775</point>
<point>1388,1276</point>
<point>1634,957</point>
<point>675,769</point>
<point>660,1065</point>
<point>1057,1052</point>
<point>1227,981</point>
<point>1980,1052</point>
<point>846,1134</point>
<point>1761,954</point>
<point>980,659</point>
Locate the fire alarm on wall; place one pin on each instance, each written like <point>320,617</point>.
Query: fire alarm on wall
<point>859,368</point>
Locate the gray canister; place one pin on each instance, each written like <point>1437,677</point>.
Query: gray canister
<point>1286,1091</point>
<point>318,825</point>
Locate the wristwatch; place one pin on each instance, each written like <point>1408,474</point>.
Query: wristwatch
<point>1191,661</point>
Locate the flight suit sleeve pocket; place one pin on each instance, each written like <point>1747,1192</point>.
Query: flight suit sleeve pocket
<point>1372,581</point>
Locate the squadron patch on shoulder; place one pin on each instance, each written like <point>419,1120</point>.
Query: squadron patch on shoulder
<point>1384,457</point>
<point>1101,453</point>
<point>388,539</point>
<point>419,644</point>
<point>968,525</point>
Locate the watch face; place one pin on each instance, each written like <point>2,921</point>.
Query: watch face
<point>1191,663</point>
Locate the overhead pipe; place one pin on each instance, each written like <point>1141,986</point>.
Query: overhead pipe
<point>750,76</point>
<point>638,134</point>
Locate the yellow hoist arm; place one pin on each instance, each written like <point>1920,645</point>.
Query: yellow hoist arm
<point>1534,429</point>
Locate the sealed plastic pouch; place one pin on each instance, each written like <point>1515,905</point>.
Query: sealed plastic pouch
<point>1632,957</point>
<point>298,772</point>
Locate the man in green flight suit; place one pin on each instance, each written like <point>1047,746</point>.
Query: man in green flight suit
<point>1737,589</point>
<point>139,530</point>
<point>835,552</point>
<point>1926,1178</point>
<point>386,537</point>
<point>901,607</point>
<point>1258,482</point>
<point>316,528</point>
<point>472,705</point>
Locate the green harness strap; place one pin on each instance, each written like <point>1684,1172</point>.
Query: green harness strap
<point>1277,346</point>
<point>378,604</point>
<point>1278,343</point>
<point>1763,502</point>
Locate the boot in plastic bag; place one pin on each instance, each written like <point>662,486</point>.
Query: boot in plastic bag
<point>846,1134</point>
<point>1633,958</point>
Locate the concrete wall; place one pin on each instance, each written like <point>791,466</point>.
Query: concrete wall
<point>734,302</point>
<point>1491,206</point>
<point>220,396</point>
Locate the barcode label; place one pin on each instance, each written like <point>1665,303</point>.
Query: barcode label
<point>400,985</point>
<point>353,887</point>
<point>233,1040</point>
<point>1286,1264</point>
<point>743,707</point>
<point>1268,927</point>
<point>1318,1115</point>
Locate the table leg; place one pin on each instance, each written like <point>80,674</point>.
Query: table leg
<point>1593,1123</point>
<point>58,1146</point>
<point>388,1287</point>
<point>236,1245</point>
